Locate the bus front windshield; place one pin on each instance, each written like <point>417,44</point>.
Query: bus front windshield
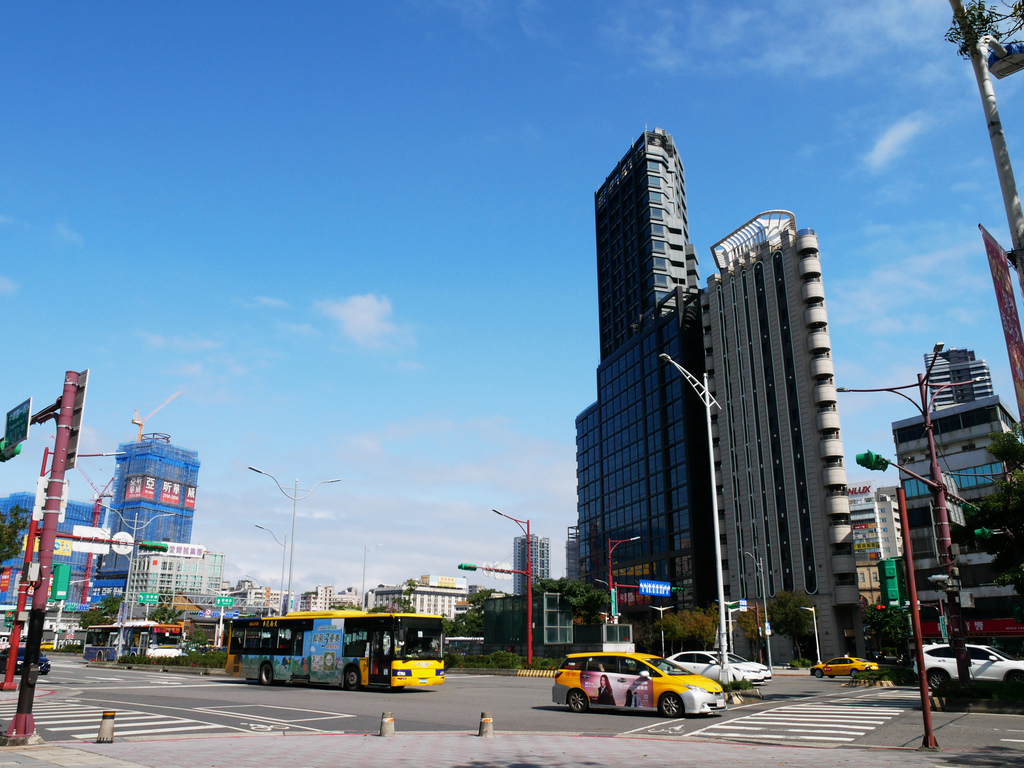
<point>421,644</point>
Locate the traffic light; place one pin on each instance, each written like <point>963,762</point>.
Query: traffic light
<point>60,581</point>
<point>879,607</point>
<point>892,582</point>
<point>872,460</point>
<point>467,567</point>
<point>983,533</point>
<point>153,546</point>
<point>3,450</point>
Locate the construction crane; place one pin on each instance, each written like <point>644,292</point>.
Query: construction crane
<point>139,422</point>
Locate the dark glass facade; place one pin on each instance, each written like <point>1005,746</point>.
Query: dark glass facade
<point>642,452</point>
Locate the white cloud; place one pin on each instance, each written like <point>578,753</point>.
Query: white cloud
<point>894,142</point>
<point>300,329</point>
<point>366,320</point>
<point>177,343</point>
<point>7,286</point>
<point>65,233</point>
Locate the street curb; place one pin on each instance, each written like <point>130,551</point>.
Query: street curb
<point>743,697</point>
<point>941,704</point>
<point>203,671</point>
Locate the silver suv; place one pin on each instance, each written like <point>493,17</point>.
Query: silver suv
<point>986,664</point>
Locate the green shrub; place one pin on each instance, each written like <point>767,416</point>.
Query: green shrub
<point>996,690</point>
<point>801,663</point>
<point>542,662</point>
<point>898,675</point>
<point>209,660</point>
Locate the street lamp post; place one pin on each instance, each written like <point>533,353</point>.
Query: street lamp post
<point>1011,200</point>
<point>661,616</point>
<point>612,544</point>
<point>708,400</point>
<point>136,527</point>
<point>295,507</point>
<point>529,582</point>
<point>764,599</point>
<point>284,550</point>
<point>943,542</point>
<point>367,549</point>
<point>817,647</point>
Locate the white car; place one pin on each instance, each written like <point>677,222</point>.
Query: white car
<point>164,651</point>
<point>706,663</point>
<point>757,667</point>
<point>986,664</point>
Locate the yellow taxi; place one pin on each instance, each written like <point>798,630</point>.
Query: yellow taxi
<point>842,665</point>
<point>633,681</point>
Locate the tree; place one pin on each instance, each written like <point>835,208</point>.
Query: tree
<point>886,624</point>
<point>699,625</point>
<point>12,528</point>
<point>788,617</point>
<point>1001,514</point>
<point>165,613</point>
<point>751,623</point>
<point>103,612</point>
<point>586,602</point>
<point>979,19</point>
<point>470,623</point>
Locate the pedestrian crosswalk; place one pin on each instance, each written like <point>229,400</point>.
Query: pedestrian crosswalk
<point>834,721</point>
<point>63,720</point>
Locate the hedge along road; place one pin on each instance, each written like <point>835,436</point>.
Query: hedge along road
<point>515,703</point>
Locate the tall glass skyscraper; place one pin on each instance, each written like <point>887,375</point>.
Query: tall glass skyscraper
<point>640,444</point>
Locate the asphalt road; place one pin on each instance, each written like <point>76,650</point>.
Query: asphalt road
<point>796,710</point>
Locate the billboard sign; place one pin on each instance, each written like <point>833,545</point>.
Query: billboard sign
<point>140,487</point>
<point>170,493</point>
<point>999,265</point>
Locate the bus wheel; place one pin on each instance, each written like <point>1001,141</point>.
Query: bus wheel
<point>351,679</point>
<point>266,674</point>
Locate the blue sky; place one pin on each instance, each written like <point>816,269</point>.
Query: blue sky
<point>359,237</point>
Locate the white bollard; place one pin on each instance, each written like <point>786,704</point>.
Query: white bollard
<point>486,725</point>
<point>106,734</point>
<point>387,724</point>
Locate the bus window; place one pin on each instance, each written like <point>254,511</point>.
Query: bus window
<point>355,643</point>
<point>284,641</point>
<point>268,639</point>
<point>252,640</point>
<point>422,644</point>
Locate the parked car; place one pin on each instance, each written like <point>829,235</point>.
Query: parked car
<point>764,669</point>
<point>986,664</point>
<point>707,664</point>
<point>842,665</point>
<point>633,681</point>
<point>44,663</point>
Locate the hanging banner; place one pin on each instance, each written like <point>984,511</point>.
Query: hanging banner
<point>1008,314</point>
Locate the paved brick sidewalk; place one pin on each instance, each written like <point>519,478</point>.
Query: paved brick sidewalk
<point>445,750</point>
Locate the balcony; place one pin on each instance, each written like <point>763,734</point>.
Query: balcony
<point>818,341</point>
<point>837,505</point>
<point>825,393</point>
<point>812,291</point>
<point>830,449</point>
<point>833,476</point>
<point>822,366</point>
<point>807,241</point>
<point>827,420</point>
<point>814,316</point>
<point>844,564</point>
<point>847,594</point>
<point>810,266</point>
<point>840,534</point>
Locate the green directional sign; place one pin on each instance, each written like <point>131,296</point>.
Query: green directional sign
<point>149,597</point>
<point>226,602</point>
<point>16,429</point>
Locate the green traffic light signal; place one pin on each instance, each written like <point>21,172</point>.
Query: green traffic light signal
<point>467,567</point>
<point>872,460</point>
<point>153,546</point>
<point>983,533</point>
<point>3,450</point>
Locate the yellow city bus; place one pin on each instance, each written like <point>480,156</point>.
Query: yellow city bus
<point>352,649</point>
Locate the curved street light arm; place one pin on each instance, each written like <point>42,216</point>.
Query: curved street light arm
<point>894,390</point>
<point>702,392</point>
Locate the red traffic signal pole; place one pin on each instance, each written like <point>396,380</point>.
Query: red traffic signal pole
<point>22,725</point>
<point>529,583</point>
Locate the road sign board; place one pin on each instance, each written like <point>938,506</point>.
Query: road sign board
<point>226,601</point>
<point>660,588</point>
<point>235,615</point>
<point>149,597</point>
<point>17,426</point>
<point>743,604</point>
<point>126,545</point>
<point>89,531</point>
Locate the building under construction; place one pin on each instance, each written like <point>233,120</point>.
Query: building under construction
<point>154,497</point>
